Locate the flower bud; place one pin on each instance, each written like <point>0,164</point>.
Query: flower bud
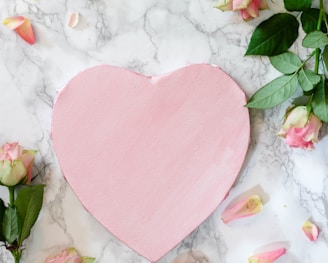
<point>249,9</point>
<point>69,255</point>
<point>300,128</point>
<point>15,164</point>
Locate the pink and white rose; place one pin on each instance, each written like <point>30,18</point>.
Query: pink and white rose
<point>15,164</point>
<point>69,255</point>
<point>248,9</point>
<point>300,128</point>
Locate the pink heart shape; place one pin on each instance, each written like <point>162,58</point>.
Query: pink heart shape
<point>151,157</point>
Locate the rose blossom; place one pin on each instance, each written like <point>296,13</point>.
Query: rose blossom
<point>249,9</point>
<point>300,128</point>
<point>69,255</point>
<point>15,164</point>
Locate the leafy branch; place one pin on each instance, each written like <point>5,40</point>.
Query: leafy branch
<point>273,38</point>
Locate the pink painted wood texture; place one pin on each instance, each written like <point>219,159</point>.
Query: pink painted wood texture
<point>151,157</point>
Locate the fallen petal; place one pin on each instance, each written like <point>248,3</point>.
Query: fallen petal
<point>268,256</point>
<point>246,207</point>
<point>74,19</point>
<point>25,31</point>
<point>310,230</point>
<point>13,22</point>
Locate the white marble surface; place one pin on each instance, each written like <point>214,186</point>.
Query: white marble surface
<point>154,37</point>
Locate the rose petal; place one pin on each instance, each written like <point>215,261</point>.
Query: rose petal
<point>294,138</point>
<point>268,256</point>
<point>13,22</point>
<point>310,230</point>
<point>25,31</point>
<point>74,19</point>
<point>253,10</point>
<point>246,207</point>
<point>27,159</point>
<point>240,4</point>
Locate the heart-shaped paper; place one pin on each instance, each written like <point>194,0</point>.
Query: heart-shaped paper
<point>151,157</point>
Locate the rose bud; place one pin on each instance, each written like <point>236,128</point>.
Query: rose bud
<point>249,9</point>
<point>300,128</point>
<point>15,164</point>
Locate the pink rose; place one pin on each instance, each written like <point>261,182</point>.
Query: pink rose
<point>15,164</point>
<point>249,9</point>
<point>300,128</point>
<point>69,255</point>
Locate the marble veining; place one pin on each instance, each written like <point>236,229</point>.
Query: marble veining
<point>154,37</point>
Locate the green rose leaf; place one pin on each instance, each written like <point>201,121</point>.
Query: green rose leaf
<point>28,203</point>
<point>320,101</point>
<point>297,5</point>
<point>274,93</point>
<point>308,79</point>
<point>286,63</point>
<point>2,213</point>
<point>309,19</point>
<point>300,101</point>
<point>325,56</point>
<point>274,35</point>
<point>315,39</point>
<point>10,225</point>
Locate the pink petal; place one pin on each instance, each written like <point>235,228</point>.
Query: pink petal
<point>74,19</point>
<point>13,22</point>
<point>10,151</point>
<point>253,9</point>
<point>295,138</point>
<point>25,31</point>
<point>27,159</point>
<point>267,257</point>
<point>246,207</point>
<point>314,126</point>
<point>310,230</point>
<point>245,15</point>
<point>240,4</point>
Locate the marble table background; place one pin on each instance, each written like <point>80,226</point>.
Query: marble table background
<point>154,37</point>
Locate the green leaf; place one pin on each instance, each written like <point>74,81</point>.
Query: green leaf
<point>315,39</point>
<point>286,63</point>
<point>274,36</point>
<point>320,101</point>
<point>274,93</point>
<point>300,101</point>
<point>10,225</point>
<point>308,79</point>
<point>325,56</point>
<point>2,213</point>
<point>297,5</point>
<point>28,203</point>
<point>309,19</point>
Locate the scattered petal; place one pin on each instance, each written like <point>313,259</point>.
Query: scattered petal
<point>267,257</point>
<point>74,19</point>
<point>22,26</point>
<point>310,230</point>
<point>246,207</point>
<point>25,31</point>
<point>13,22</point>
